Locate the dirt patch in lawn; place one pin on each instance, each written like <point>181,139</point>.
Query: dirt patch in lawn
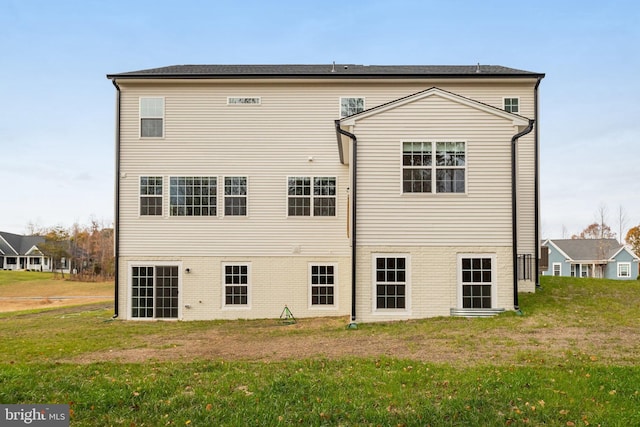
<point>329,338</point>
<point>52,294</point>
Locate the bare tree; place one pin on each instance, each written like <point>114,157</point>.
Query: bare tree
<point>622,221</point>
<point>601,220</point>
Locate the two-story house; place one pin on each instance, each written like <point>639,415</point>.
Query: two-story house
<point>380,192</point>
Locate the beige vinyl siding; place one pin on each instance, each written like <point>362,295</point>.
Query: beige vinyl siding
<point>204,136</point>
<point>482,216</point>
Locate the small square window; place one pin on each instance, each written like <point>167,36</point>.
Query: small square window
<point>351,106</point>
<point>512,105</point>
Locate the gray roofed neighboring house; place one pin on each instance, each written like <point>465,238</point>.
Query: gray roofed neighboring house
<point>600,258</point>
<point>18,252</point>
<point>18,244</point>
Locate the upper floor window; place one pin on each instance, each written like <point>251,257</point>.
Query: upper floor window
<point>512,105</point>
<point>151,117</point>
<point>193,196</point>
<point>350,106</point>
<point>311,196</point>
<point>429,167</point>
<point>235,195</point>
<point>150,195</point>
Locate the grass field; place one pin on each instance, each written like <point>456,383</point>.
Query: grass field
<point>572,359</point>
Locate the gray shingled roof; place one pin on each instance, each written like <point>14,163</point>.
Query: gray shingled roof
<point>326,71</point>
<point>20,243</point>
<point>588,249</point>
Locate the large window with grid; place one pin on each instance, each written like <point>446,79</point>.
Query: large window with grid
<point>236,284</point>
<point>433,167</point>
<point>151,117</point>
<point>350,106</point>
<point>154,292</point>
<point>235,196</point>
<point>311,196</point>
<point>391,282</point>
<point>477,280</point>
<point>193,196</point>
<point>150,195</point>
<point>322,285</point>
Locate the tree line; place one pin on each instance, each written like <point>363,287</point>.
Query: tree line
<point>86,249</point>
<point>601,230</point>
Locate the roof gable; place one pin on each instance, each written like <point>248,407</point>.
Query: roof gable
<point>516,119</point>
<point>625,249</point>
<point>17,244</point>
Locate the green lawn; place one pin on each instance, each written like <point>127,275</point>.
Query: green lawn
<point>11,277</point>
<point>574,360</point>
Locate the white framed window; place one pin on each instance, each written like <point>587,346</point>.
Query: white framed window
<point>512,105</point>
<point>322,285</point>
<point>236,284</point>
<point>154,290</point>
<point>151,196</point>
<point>557,269</point>
<point>193,196</point>
<point>350,106</point>
<point>476,280</point>
<point>434,167</point>
<point>624,269</point>
<point>311,196</point>
<point>244,100</point>
<point>235,196</point>
<point>152,117</point>
<point>391,284</point>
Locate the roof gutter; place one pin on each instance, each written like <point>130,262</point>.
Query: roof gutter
<point>514,213</point>
<point>333,76</point>
<point>353,185</point>
<point>116,225</point>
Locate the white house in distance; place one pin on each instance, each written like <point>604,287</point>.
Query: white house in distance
<point>379,192</point>
<point>18,252</point>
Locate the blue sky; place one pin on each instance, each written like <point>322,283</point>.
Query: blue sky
<point>57,108</point>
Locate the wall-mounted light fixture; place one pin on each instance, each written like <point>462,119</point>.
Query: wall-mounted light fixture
<point>187,270</point>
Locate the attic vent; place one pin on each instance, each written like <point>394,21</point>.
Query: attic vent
<point>236,100</point>
<point>478,68</point>
<point>333,68</point>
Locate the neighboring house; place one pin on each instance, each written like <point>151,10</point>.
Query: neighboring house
<point>19,252</point>
<point>600,258</point>
<point>383,192</point>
